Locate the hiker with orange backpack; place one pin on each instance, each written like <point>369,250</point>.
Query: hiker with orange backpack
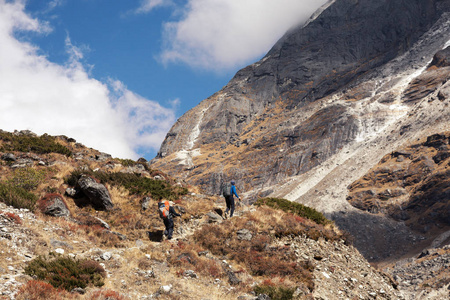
<point>167,212</point>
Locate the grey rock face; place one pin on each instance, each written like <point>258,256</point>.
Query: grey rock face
<point>96,192</point>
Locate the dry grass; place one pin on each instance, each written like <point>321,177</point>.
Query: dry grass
<point>262,256</point>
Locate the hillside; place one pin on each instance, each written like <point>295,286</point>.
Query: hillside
<point>271,248</point>
<point>274,247</point>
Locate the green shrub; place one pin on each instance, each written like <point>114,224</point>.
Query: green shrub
<point>27,178</point>
<point>134,183</point>
<point>294,208</point>
<point>275,293</point>
<point>17,196</point>
<point>65,272</point>
<point>28,143</point>
<point>127,162</point>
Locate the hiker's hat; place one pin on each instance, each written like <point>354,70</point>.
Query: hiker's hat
<point>232,182</point>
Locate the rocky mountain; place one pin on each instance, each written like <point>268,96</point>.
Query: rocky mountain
<point>324,117</point>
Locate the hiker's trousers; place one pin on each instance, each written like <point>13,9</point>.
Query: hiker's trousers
<point>169,227</point>
<point>230,204</point>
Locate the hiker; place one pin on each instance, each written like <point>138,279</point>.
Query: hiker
<point>167,212</point>
<point>228,192</point>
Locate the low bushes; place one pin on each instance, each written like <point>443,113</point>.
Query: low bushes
<point>259,255</point>
<point>35,289</point>
<point>17,190</point>
<point>27,178</point>
<point>29,143</point>
<point>17,197</point>
<point>65,272</point>
<point>275,292</point>
<point>294,208</point>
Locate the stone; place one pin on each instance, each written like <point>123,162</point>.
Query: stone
<point>102,223</point>
<point>9,157</point>
<point>145,203</point>
<point>165,289</point>
<point>54,205</point>
<point>244,234</point>
<point>60,244</point>
<point>190,274</point>
<point>96,192</point>
<point>106,256</point>
<point>213,217</point>
<point>78,290</point>
<point>71,192</point>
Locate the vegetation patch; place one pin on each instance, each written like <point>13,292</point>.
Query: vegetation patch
<point>134,183</point>
<point>17,197</point>
<point>275,292</point>
<point>65,272</point>
<point>28,178</point>
<point>294,208</point>
<point>36,289</point>
<point>29,143</point>
<point>258,250</point>
<point>17,190</point>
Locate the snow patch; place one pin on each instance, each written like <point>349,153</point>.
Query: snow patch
<point>185,156</point>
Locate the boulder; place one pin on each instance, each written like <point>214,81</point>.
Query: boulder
<point>213,217</point>
<point>96,192</point>
<point>54,205</point>
<point>9,157</point>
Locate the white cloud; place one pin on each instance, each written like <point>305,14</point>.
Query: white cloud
<point>149,5</point>
<point>45,97</point>
<point>228,33</point>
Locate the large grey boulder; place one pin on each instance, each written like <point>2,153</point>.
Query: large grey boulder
<point>97,193</point>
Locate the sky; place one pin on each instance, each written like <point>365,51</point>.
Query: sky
<point>116,74</point>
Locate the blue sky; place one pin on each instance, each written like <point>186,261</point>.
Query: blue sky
<point>116,74</point>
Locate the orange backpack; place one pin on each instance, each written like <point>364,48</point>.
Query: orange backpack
<point>164,209</point>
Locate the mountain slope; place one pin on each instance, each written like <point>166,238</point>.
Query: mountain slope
<point>322,108</point>
<point>275,247</point>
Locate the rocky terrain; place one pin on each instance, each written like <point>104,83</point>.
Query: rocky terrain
<point>123,235</point>
<point>210,257</point>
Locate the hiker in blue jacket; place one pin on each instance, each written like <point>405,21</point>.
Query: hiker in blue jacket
<point>230,199</point>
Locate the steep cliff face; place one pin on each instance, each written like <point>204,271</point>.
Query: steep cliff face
<point>327,102</point>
